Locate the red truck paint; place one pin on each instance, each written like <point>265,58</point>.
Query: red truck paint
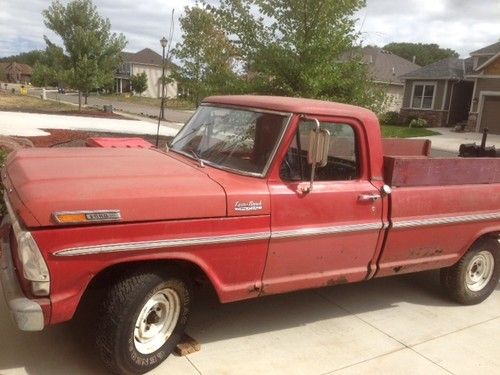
<point>174,210</point>
<point>133,142</point>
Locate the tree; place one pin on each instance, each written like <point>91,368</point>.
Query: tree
<point>207,55</point>
<point>425,54</point>
<point>30,57</point>
<point>44,75</point>
<point>90,52</point>
<point>139,82</point>
<point>297,48</point>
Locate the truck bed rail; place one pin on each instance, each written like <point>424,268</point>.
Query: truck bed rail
<point>423,171</point>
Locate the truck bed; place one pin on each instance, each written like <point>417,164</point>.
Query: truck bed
<point>438,207</point>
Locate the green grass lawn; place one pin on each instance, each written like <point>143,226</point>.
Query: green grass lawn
<point>391,131</point>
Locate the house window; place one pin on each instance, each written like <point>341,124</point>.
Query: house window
<point>423,95</point>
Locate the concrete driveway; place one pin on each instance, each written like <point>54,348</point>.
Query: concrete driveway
<point>389,326</point>
<point>450,141</point>
<point>32,124</point>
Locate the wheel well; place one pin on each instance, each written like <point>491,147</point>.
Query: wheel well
<point>97,286</point>
<point>494,235</point>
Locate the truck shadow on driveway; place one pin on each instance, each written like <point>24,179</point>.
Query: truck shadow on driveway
<point>60,349</point>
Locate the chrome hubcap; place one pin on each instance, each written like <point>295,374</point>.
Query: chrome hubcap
<point>157,321</point>
<point>480,271</point>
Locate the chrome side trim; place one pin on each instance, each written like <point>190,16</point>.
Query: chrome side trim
<point>198,241</point>
<point>162,244</point>
<point>445,220</point>
<point>307,232</point>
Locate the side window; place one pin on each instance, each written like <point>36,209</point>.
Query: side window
<point>342,157</point>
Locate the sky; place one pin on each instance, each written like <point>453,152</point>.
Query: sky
<point>463,25</point>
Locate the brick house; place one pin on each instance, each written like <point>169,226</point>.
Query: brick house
<point>147,61</point>
<point>457,91</point>
<point>17,72</point>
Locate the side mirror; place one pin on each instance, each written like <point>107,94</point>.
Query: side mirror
<point>317,156</point>
<point>319,145</point>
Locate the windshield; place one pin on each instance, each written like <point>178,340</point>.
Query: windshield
<point>241,140</point>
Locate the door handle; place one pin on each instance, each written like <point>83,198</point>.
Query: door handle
<point>369,197</point>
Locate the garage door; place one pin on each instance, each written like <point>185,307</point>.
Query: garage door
<point>490,117</point>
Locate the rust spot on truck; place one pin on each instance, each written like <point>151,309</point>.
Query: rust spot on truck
<point>397,269</point>
<point>337,281</point>
<point>424,252</point>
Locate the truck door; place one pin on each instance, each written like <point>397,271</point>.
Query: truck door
<point>328,235</point>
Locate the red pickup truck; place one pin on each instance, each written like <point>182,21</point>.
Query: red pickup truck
<point>257,195</point>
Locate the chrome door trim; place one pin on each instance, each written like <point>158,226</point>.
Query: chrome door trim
<point>161,244</point>
<point>444,220</point>
<point>322,231</point>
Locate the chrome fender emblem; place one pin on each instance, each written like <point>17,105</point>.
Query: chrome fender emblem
<point>248,206</point>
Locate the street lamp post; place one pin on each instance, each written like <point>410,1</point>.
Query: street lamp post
<point>163,43</point>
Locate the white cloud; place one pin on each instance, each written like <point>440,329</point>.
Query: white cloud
<point>142,22</point>
<point>463,25</point>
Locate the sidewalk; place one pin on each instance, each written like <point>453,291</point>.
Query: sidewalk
<point>24,124</point>
<point>450,141</point>
<point>398,325</point>
<point>171,115</point>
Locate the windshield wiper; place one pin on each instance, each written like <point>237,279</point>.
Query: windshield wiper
<point>197,157</point>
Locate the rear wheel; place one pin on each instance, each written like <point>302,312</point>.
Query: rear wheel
<point>142,319</point>
<point>476,275</point>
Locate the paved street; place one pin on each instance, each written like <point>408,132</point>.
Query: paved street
<point>170,115</point>
<point>389,326</point>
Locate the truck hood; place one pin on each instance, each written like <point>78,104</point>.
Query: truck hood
<point>145,185</point>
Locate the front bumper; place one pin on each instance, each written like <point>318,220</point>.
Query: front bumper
<point>27,314</point>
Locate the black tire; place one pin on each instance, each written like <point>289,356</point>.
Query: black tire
<point>124,301</point>
<point>454,279</point>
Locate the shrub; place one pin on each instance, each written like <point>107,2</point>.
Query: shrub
<point>390,118</point>
<point>418,123</point>
<point>139,82</point>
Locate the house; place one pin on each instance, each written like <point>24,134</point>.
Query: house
<point>385,68</point>
<point>147,61</point>
<point>17,72</point>
<point>457,91</point>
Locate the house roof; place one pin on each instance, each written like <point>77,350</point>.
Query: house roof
<point>24,69</point>
<point>451,67</point>
<point>488,62</point>
<point>383,66</point>
<point>492,49</point>
<point>145,56</point>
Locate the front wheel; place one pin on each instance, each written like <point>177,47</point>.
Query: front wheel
<point>142,319</point>
<point>476,275</point>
